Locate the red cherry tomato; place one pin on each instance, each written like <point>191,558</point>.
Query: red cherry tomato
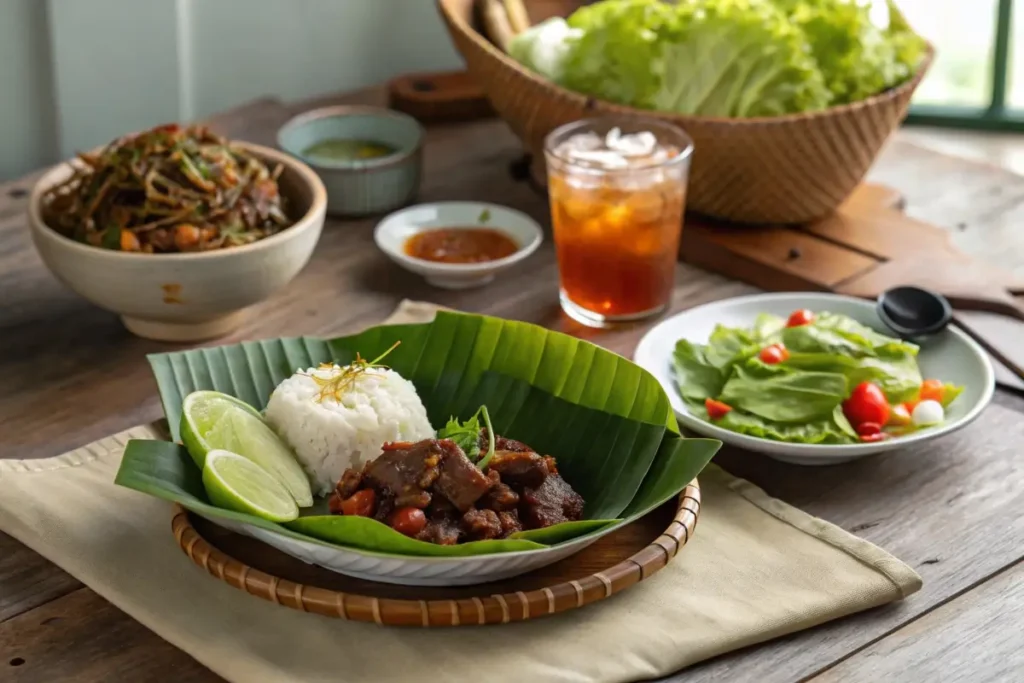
<point>716,409</point>
<point>801,317</point>
<point>868,428</point>
<point>867,403</point>
<point>932,390</point>
<point>408,520</point>
<point>872,438</point>
<point>776,353</point>
<point>360,503</point>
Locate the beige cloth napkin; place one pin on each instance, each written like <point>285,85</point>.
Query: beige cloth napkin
<point>756,569</point>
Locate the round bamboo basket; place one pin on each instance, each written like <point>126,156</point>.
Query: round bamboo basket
<point>609,566</point>
<point>786,169</point>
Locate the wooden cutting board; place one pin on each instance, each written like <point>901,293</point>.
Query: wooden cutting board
<point>866,247</point>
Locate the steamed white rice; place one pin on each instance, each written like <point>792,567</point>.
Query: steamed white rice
<point>328,436</point>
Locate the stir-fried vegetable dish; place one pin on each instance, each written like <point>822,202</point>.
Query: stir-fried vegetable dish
<point>169,189</point>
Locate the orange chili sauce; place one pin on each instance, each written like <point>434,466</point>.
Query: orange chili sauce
<point>460,245</point>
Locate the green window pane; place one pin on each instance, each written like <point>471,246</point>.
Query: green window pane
<point>963,34</point>
<point>1015,72</point>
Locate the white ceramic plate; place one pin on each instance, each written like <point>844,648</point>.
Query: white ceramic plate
<point>416,571</point>
<point>394,230</point>
<point>951,357</point>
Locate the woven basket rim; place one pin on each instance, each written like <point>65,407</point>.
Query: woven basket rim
<point>457,22</point>
<point>560,594</point>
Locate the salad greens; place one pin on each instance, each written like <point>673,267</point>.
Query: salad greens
<point>733,58</point>
<point>802,393</point>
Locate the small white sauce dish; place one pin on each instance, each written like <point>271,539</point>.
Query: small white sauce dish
<point>393,232</point>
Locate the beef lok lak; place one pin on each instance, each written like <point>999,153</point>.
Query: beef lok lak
<point>433,491</point>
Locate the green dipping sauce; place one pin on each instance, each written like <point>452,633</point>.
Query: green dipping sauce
<point>344,149</point>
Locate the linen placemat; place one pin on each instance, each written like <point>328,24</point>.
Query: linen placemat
<point>756,569</point>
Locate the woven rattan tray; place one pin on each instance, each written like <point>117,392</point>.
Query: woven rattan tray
<point>612,564</point>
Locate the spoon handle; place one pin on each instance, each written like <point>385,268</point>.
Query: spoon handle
<point>993,351</point>
<point>1008,308</point>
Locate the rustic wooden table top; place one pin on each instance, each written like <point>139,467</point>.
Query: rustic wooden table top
<point>953,510</point>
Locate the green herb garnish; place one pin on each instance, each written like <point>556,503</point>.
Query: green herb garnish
<point>466,436</point>
<point>484,217</point>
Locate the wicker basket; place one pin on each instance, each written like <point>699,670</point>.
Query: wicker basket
<point>786,169</point>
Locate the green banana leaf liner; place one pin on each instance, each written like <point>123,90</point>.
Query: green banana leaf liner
<point>607,421</point>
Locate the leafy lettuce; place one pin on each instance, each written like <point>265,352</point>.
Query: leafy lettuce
<point>862,47</point>
<point>800,399</point>
<point>728,58</point>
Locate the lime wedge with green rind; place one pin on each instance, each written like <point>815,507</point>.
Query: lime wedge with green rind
<point>233,482</point>
<point>211,420</point>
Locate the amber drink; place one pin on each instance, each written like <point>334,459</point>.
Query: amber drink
<point>618,191</point>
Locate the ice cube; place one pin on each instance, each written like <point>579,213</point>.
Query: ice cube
<point>583,142</point>
<point>613,137</point>
<point>600,157</point>
<point>641,144</point>
<point>646,207</point>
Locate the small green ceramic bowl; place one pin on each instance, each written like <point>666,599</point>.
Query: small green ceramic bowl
<point>327,138</point>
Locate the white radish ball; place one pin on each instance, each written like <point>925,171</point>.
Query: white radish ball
<point>927,413</point>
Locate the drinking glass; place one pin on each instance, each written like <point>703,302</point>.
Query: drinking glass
<point>617,229</point>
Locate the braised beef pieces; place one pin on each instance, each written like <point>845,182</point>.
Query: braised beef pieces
<point>520,469</point>
<point>481,525</point>
<point>553,502</point>
<point>519,489</point>
<point>443,531</point>
<point>406,471</point>
<point>461,481</point>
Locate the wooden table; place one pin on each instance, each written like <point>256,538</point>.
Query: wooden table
<point>71,374</point>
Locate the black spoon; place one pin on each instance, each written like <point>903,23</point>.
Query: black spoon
<point>915,314</point>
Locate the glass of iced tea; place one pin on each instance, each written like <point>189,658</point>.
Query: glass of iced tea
<point>618,191</point>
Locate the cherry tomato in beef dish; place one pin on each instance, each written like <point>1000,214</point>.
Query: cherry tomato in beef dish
<point>932,390</point>
<point>360,503</point>
<point>801,317</point>
<point>867,403</point>
<point>716,409</point>
<point>868,428</point>
<point>408,520</point>
<point>776,353</point>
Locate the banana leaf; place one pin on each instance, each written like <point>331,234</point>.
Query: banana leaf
<point>607,421</point>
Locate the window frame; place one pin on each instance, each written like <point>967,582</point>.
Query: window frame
<point>996,116</point>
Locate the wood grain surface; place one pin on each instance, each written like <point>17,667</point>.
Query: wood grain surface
<point>952,510</point>
<point>973,637</point>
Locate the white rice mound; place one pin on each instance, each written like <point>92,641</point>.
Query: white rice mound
<point>328,436</point>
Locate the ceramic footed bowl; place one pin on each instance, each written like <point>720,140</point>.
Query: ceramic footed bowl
<point>186,297</point>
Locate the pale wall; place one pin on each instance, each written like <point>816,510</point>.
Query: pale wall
<point>76,73</point>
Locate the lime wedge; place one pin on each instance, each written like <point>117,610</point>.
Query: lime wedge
<point>236,483</point>
<point>211,420</point>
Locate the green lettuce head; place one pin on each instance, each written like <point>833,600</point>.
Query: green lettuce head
<point>728,58</point>
<point>863,47</point>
